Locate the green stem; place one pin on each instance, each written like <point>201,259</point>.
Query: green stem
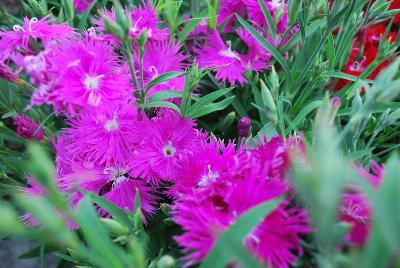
<point>143,90</point>
<point>129,58</point>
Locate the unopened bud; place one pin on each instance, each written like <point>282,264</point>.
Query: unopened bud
<point>244,126</point>
<point>7,74</point>
<point>166,261</point>
<point>114,227</point>
<point>336,102</point>
<point>27,128</point>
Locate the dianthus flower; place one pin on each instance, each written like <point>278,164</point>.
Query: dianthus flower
<point>212,207</point>
<point>103,138</point>
<point>27,128</point>
<point>216,53</point>
<point>44,30</point>
<point>82,5</point>
<point>162,57</point>
<point>168,138</point>
<point>80,74</point>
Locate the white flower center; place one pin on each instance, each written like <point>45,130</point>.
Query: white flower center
<point>92,82</point>
<point>116,174</point>
<point>229,53</point>
<point>168,149</point>
<point>209,177</point>
<point>353,210</point>
<point>112,125</point>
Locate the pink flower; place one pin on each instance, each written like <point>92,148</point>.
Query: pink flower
<point>226,13</point>
<point>356,211</point>
<point>217,53</point>
<point>210,208</point>
<point>162,57</point>
<point>202,166</point>
<point>78,75</point>
<point>257,57</point>
<point>277,8</point>
<point>112,183</point>
<point>27,128</point>
<point>168,138</point>
<point>82,5</point>
<point>43,30</point>
<point>143,18</point>
<point>103,138</point>
<point>355,208</point>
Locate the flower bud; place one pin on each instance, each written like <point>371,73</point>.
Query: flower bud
<point>244,126</point>
<point>27,128</point>
<point>166,261</point>
<point>114,227</point>
<point>7,74</point>
<point>336,102</point>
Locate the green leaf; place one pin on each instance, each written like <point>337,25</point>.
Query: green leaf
<point>163,78</point>
<point>230,244</point>
<point>160,104</point>
<point>97,236</point>
<point>341,75</point>
<point>267,131</point>
<point>207,99</point>
<point>268,18</point>
<point>193,22</point>
<point>40,166</point>
<point>85,15</point>
<point>274,52</point>
<point>164,95</point>
<point>209,108</point>
<point>116,212</point>
<point>303,113</point>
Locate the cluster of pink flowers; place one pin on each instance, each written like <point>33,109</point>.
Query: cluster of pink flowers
<point>111,148</point>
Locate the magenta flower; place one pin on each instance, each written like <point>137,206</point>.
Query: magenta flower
<point>27,128</point>
<point>103,138</point>
<point>376,177</point>
<point>155,63</point>
<point>78,75</point>
<point>43,30</point>
<point>211,207</point>
<point>168,138</point>
<point>112,183</point>
<point>202,166</point>
<point>217,53</point>
<point>277,8</point>
<point>356,211</point>
<point>226,13</point>
<point>143,18</point>
<point>257,57</point>
<point>82,5</point>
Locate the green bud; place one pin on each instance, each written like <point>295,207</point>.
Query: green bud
<point>114,227</point>
<point>274,78</point>
<point>166,261</point>
<point>142,40</point>
<point>121,18</point>
<point>138,219</point>
<point>267,98</point>
<point>228,121</point>
<point>113,28</point>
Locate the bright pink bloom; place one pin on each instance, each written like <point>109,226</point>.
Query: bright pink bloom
<point>217,53</point>
<point>43,30</point>
<point>112,183</point>
<point>168,138</point>
<point>103,138</point>
<point>356,211</point>
<point>212,207</point>
<point>159,58</point>
<point>226,13</point>
<point>277,8</point>
<point>79,75</point>
<point>257,57</point>
<point>82,5</point>
<point>374,178</point>
<point>143,18</point>
<point>27,128</point>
